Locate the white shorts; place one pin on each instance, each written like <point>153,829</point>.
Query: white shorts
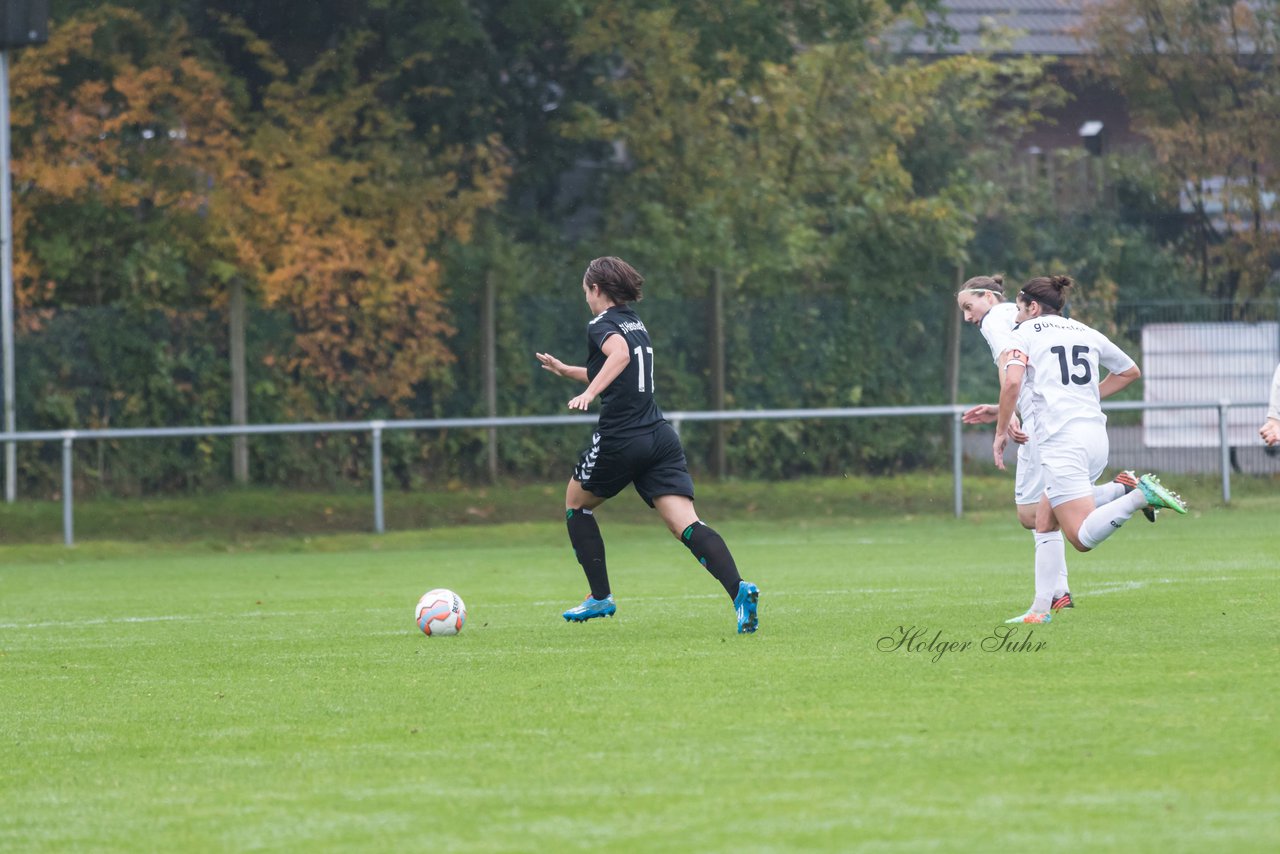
<point>1028,478</point>
<point>1073,459</point>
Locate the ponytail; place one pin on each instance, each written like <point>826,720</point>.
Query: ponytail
<point>1049,291</point>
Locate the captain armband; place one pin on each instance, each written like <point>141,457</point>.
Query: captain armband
<point>1015,361</point>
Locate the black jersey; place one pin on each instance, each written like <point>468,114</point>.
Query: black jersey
<point>627,406</point>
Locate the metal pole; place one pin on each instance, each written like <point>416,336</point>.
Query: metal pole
<point>1225,444</point>
<point>68,491</point>
<point>378,523</point>
<point>957,460</point>
<point>6,286</point>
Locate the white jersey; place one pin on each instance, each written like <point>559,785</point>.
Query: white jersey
<point>1063,359</point>
<point>997,327</point>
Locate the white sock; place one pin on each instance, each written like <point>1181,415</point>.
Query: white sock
<point>1051,565</point>
<point>1105,493</point>
<point>1107,519</point>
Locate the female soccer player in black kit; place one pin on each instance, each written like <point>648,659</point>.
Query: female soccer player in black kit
<point>633,443</point>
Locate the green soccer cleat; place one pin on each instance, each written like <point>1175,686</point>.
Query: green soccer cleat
<point>1129,480</point>
<point>1159,496</point>
<point>1031,617</point>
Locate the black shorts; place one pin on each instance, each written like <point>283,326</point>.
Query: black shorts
<point>653,461</point>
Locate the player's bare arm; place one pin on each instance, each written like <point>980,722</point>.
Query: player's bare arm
<point>983,413</point>
<point>1014,429</point>
<point>986,413</point>
<point>1012,368</point>
<point>617,357</point>
<point>1114,382</point>
<point>560,369</point>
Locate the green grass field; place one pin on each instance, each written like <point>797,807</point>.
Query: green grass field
<point>161,697</point>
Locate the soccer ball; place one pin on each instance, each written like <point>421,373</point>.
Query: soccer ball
<point>440,612</point>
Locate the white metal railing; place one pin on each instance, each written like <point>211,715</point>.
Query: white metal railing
<point>377,428</point>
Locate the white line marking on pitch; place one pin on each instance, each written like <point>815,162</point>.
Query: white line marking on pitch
<point>1100,590</point>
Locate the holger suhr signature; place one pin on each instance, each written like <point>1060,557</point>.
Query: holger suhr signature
<point>919,639</point>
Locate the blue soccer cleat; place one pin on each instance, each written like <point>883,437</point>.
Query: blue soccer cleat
<point>591,608</point>
<point>1159,496</point>
<point>745,604</point>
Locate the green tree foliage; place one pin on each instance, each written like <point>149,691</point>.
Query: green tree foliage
<point>1203,80</point>
<point>832,168</point>
<point>368,170</point>
<point>840,176</point>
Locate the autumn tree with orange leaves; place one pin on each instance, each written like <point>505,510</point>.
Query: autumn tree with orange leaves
<point>340,220</point>
<point>118,120</point>
<point>321,198</point>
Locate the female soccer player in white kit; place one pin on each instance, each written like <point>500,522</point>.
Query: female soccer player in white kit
<point>982,303</point>
<point>1060,360</point>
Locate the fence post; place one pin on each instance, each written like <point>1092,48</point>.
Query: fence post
<point>378,524</point>
<point>1225,445</point>
<point>68,524</point>
<point>957,460</point>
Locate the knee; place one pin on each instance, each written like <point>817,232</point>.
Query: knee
<point>1075,541</point>
<point>1027,517</point>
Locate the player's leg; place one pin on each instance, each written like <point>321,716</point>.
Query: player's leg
<point>1122,485</point>
<point>1073,459</point>
<point>1104,521</point>
<point>596,477</point>
<point>1052,593</point>
<point>699,538</point>
<point>588,548</point>
<point>1071,515</point>
<point>1050,567</point>
<point>1068,462</point>
<point>666,486</point>
<point>1051,588</point>
<point>710,550</point>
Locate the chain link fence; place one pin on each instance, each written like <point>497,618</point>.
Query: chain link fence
<point>107,369</point>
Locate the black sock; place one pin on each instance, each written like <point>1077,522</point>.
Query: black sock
<point>588,547</point>
<point>709,548</point>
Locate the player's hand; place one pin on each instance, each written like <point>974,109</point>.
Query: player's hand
<point>551,363</point>
<point>582,401</point>
<point>1270,432</point>
<point>983,413</point>
<point>1016,433</point>
<point>997,449</point>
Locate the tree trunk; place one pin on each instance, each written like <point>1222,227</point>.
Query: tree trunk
<point>239,385</point>
<point>489,365</point>
<point>718,434</point>
<point>954,328</point>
